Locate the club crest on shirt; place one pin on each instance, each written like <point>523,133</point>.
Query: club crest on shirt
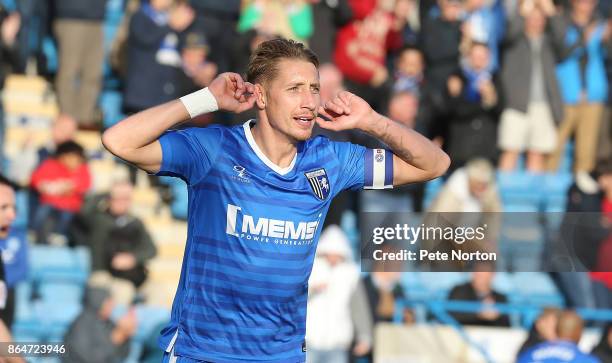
<point>319,183</point>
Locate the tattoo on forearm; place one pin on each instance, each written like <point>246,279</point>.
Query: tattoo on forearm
<point>395,140</point>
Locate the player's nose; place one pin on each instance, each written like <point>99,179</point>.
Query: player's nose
<point>310,100</point>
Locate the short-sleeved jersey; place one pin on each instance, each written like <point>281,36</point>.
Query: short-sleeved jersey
<point>556,352</point>
<point>252,233</point>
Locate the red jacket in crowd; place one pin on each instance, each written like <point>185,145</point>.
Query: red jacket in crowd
<point>51,170</point>
<point>362,45</point>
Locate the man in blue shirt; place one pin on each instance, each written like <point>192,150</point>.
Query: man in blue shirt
<point>565,348</point>
<point>258,194</point>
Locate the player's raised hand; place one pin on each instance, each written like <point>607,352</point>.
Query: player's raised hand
<point>345,111</point>
<point>232,92</point>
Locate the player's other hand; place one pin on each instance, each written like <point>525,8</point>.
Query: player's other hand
<point>232,93</point>
<point>346,111</point>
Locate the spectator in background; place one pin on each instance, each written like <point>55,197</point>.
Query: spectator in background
<point>480,289</point>
<point>119,242</point>
<point>469,189</point>
<point>61,182</point>
<point>565,348</point>
<point>473,103</point>
<point>472,198</point>
<point>409,68</point>
<point>602,277</point>
<point>484,23</point>
<point>603,350</point>
<point>531,94</point>
<point>337,305</point>
<point>362,46</point>
<point>584,87</point>
<point>440,39</point>
<point>93,337</point>
<point>385,295</point>
<point>544,329</point>
<point>197,71</point>
<point>78,28</point>
<point>29,157</point>
<point>153,53</point>
<point>585,234</point>
<point>218,20</point>
<point>7,217</point>
<point>10,24</point>
<point>328,16</point>
<point>290,19</point>
<point>331,81</point>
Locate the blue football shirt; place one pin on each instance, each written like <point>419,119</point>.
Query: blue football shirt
<point>556,352</point>
<point>252,233</point>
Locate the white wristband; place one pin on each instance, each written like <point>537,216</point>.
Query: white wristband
<point>200,102</point>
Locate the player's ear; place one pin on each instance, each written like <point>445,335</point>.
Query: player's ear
<point>260,96</point>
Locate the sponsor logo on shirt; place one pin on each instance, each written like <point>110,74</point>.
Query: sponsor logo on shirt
<point>269,230</point>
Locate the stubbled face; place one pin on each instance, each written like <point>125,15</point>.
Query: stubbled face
<point>291,99</point>
<point>7,210</point>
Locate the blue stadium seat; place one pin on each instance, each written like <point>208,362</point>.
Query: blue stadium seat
<point>520,191</point>
<point>21,201</point>
<point>52,263</point>
<point>61,292</point>
<point>181,198</point>
<point>535,288</point>
<point>432,188</point>
<point>555,191</point>
<point>439,284</point>
<point>111,105</point>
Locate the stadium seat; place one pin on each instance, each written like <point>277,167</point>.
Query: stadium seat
<point>432,188</point>
<point>439,284</point>
<point>52,263</point>
<point>180,197</point>
<point>520,191</point>
<point>22,203</point>
<point>110,104</point>
<point>61,292</point>
<point>535,288</point>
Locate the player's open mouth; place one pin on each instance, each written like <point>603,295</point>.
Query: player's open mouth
<point>304,120</point>
<point>4,229</point>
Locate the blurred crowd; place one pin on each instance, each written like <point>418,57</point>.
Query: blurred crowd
<point>501,85</point>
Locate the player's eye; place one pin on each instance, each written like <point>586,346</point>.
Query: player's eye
<point>294,88</point>
<point>315,89</point>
